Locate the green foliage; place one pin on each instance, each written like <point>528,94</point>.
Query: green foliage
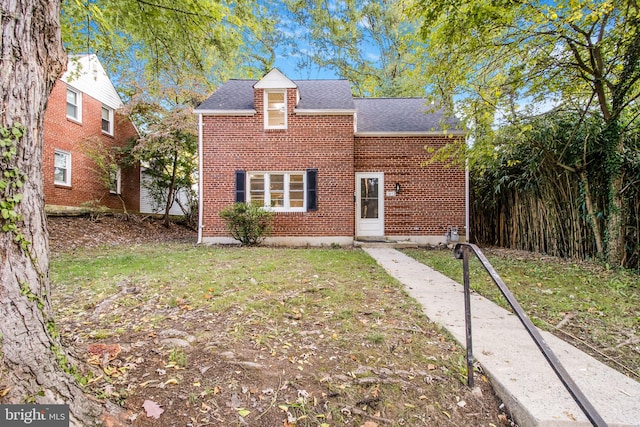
<point>178,357</point>
<point>11,182</point>
<point>176,47</point>
<point>106,161</point>
<point>503,61</point>
<point>246,222</point>
<point>168,150</point>
<point>26,291</point>
<point>371,43</point>
<point>543,188</point>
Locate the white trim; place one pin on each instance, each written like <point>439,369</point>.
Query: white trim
<point>275,79</point>
<point>377,222</point>
<point>338,112</point>
<point>467,215</point>
<point>200,194</point>
<point>226,112</point>
<point>267,110</point>
<point>111,119</point>
<point>118,189</point>
<point>415,133</point>
<point>78,104</point>
<point>85,73</point>
<point>266,179</point>
<point>67,182</point>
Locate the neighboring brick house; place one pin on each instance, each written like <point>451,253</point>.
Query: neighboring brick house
<point>334,169</point>
<point>83,109</point>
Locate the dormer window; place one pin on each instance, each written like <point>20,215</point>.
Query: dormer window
<point>275,115</point>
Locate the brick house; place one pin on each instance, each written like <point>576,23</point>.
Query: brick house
<point>83,109</point>
<point>334,169</point>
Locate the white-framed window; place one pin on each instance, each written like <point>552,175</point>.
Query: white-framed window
<point>115,175</point>
<point>107,120</point>
<point>62,168</point>
<point>74,105</point>
<point>275,109</point>
<point>279,191</point>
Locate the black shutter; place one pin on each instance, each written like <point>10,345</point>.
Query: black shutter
<point>241,186</point>
<point>312,189</point>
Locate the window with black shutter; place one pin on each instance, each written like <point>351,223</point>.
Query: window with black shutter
<point>312,189</point>
<point>240,186</point>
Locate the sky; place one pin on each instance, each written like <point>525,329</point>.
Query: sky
<point>288,66</point>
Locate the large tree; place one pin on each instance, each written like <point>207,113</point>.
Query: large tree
<point>489,59</point>
<point>190,46</point>
<point>34,365</point>
<point>371,43</point>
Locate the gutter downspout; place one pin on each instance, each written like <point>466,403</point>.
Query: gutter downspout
<point>466,198</point>
<point>200,178</point>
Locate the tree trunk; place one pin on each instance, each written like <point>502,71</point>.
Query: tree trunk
<point>172,186</point>
<point>592,215</point>
<point>616,236</point>
<point>614,142</point>
<point>31,60</point>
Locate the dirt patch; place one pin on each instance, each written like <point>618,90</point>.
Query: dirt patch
<point>68,233</point>
<point>170,364</point>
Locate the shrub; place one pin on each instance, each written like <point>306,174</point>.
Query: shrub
<point>247,223</point>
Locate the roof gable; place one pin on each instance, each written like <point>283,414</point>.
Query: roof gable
<point>85,73</point>
<point>236,96</point>
<point>374,116</point>
<point>274,79</point>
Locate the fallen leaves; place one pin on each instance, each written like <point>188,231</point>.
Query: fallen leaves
<point>152,409</point>
<point>101,354</point>
<point>4,391</point>
<point>243,412</point>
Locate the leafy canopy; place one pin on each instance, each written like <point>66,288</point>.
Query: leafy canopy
<point>498,59</point>
<point>371,43</point>
<point>177,47</point>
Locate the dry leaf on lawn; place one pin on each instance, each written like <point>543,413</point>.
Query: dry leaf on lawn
<point>153,409</point>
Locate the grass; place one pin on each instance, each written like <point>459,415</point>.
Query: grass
<point>329,322</point>
<point>600,307</point>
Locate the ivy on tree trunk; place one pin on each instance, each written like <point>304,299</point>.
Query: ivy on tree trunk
<point>34,366</point>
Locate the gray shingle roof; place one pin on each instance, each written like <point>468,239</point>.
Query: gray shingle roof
<point>314,95</point>
<point>373,114</point>
<point>232,95</point>
<point>325,95</point>
<point>400,115</point>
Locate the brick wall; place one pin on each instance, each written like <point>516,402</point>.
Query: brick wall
<point>310,142</point>
<point>431,197</point>
<point>67,135</point>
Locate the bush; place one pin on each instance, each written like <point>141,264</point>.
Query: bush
<point>247,223</point>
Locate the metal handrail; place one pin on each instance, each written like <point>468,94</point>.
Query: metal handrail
<point>461,251</point>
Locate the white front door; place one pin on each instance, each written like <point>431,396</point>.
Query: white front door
<point>369,204</point>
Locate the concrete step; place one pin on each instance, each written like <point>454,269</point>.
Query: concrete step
<point>383,243</point>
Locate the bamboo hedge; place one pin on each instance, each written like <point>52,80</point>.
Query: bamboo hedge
<point>542,188</point>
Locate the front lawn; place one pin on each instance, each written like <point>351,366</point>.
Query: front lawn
<point>259,337</point>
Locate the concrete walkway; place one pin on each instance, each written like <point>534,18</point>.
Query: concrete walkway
<point>517,369</point>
